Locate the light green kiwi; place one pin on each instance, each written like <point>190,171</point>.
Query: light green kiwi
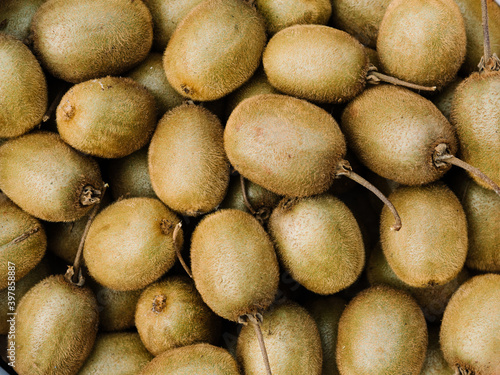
<point>233,36</point>
<point>89,119</point>
<point>422,41</point>
<point>47,178</point>
<point>79,40</point>
<point>16,15</point>
<point>120,353</point>
<point>431,247</point>
<point>318,241</point>
<point>287,145</point>
<point>188,167</point>
<point>24,90</point>
<point>56,326</point>
<point>381,331</point>
<point>171,313</point>
<point>469,330</point>
<point>434,363</point>
<point>234,264</point>
<point>292,340</point>
<point>130,243</point>
<point>333,69</point>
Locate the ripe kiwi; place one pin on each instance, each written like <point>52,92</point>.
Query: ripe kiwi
<point>78,40</point>
<point>469,330</point>
<point>434,363</point>
<point>16,15</point>
<point>130,243</point>
<point>193,359</point>
<point>120,353</point>
<point>444,98</point>
<point>318,241</point>
<point>422,41</point>
<point>47,178</point>
<point>171,313</point>
<point>23,87</point>
<point>233,36</point>
<point>56,326</point>
<point>292,340</point>
<point>381,331</point>
<point>432,246</point>
<point>188,168</point>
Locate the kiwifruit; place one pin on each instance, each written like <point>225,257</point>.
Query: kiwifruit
<point>292,341</point>
<point>120,353</point>
<point>444,98</point>
<point>360,18</point>
<point>381,331</point>
<point>372,56</point>
<point>422,41</point>
<point>150,74</point>
<point>233,36</point>
<point>23,86</point>
<point>89,119</point>
<point>434,363</point>
<point>16,15</point>
<point>47,178</point>
<point>56,326</point>
<point>193,359</point>
<point>188,168</point>
<point>22,243</point>
<point>469,330</point>
<point>279,16</point>
<point>78,40</point>
<point>318,242</point>
<point>130,243</point>
<point>171,313</point>
<point>431,247</point>
<point>326,312</point>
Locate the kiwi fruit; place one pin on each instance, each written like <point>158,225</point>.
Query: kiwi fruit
<point>292,341</point>
<point>422,41</point>
<point>444,98</point>
<point>24,88</point>
<point>16,15</point>
<point>56,326</point>
<point>130,243</point>
<point>381,331</point>
<point>79,40</point>
<point>469,330</point>
<point>200,359</point>
<point>188,168</point>
<point>120,353</point>
<point>171,313</point>
<point>434,363</point>
<point>233,36</point>
<point>318,241</point>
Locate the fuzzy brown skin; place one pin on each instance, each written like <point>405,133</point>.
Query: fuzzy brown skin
<point>119,353</point>
<point>16,15</point>
<point>79,40</point>
<point>359,18</point>
<point>188,167</point>
<point>233,36</point>
<point>193,359</point>
<point>475,113</point>
<point>24,89</point>
<point>183,320</point>
<point>381,331</point>
<point>434,363</point>
<point>234,264</point>
<point>129,244</point>
<point>317,63</point>
<point>469,331</point>
<point>55,329</point>
<point>422,41</point>
<point>89,119</point>
<point>318,241</point>
<point>292,342</point>
<point>393,131</point>
<point>45,177</point>
<point>287,145</point>
<point>444,99</point>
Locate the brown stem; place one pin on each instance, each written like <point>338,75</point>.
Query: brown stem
<point>245,197</point>
<point>488,62</point>
<point>345,169</point>
<point>90,196</point>
<point>256,320</point>
<point>178,249</point>
<point>375,77</point>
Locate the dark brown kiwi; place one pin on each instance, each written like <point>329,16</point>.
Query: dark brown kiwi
<point>23,87</point>
<point>79,40</point>
<point>16,15</point>
<point>47,178</point>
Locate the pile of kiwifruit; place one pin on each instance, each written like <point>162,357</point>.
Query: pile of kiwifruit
<point>300,187</point>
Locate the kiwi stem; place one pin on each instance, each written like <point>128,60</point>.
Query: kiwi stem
<point>345,169</point>
<point>488,62</point>
<point>256,320</point>
<point>375,77</point>
<point>90,196</point>
<point>245,197</point>
<point>178,248</point>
